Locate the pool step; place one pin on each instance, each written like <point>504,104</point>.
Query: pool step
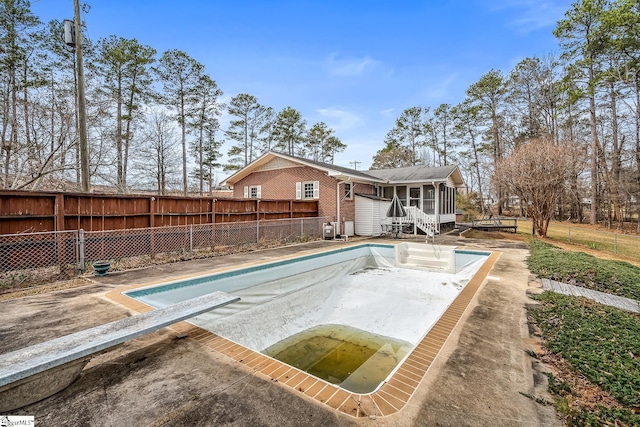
<point>428,261</point>
<point>427,257</point>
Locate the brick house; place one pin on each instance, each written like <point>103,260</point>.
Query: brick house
<point>349,198</point>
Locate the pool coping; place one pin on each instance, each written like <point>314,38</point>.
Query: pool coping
<point>386,400</point>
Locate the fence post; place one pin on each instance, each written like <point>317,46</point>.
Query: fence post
<point>258,233</point>
<point>191,240</point>
<point>615,243</point>
<point>151,243</point>
<point>81,242</point>
<point>301,227</point>
<point>569,233</point>
<point>213,237</point>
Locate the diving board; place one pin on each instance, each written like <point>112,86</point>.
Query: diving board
<point>74,350</point>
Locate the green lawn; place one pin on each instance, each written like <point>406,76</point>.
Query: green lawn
<point>613,277</point>
<point>601,343</point>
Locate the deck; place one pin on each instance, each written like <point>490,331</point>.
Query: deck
<point>491,224</point>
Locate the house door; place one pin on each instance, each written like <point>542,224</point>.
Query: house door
<point>415,199</point>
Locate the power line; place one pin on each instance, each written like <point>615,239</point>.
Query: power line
<point>355,164</point>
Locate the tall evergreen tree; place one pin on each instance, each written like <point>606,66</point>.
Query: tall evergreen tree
<point>203,123</point>
<point>332,145</point>
<point>408,132</point>
<point>125,67</point>
<point>467,125</point>
<point>392,155</point>
<point>245,128</point>
<point>489,94</point>
<point>179,75</point>
<point>580,38</point>
<point>316,137</point>
<point>443,124</point>
<point>289,132</point>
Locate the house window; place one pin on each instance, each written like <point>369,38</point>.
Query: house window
<point>252,191</point>
<point>429,202</point>
<point>308,190</point>
<point>387,192</point>
<point>452,209</point>
<point>448,199</point>
<point>414,196</point>
<point>348,193</point>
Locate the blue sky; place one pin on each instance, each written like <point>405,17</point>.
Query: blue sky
<point>356,65</point>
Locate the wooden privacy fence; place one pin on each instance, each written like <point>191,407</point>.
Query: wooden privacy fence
<point>28,212</point>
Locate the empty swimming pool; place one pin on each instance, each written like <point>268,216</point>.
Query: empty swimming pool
<point>348,316</point>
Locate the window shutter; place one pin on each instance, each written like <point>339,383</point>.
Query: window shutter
<point>259,191</point>
<point>316,189</point>
<point>246,192</point>
<point>298,190</point>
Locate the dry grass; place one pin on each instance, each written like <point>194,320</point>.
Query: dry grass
<point>493,235</point>
<point>595,240</point>
<point>35,290</point>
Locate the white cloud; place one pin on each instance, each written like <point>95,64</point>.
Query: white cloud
<point>531,15</point>
<point>441,89</point>
<point>350,66</point>
<point>387,112</point>
<point>339,118</point>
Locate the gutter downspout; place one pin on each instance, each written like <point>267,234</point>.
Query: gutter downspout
<point>436,190</point>
<point>338,206</point>
<point>339,200</point>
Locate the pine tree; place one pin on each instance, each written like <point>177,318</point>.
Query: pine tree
<point>203,123</point>
<point>124,65</point>
<point>246,127</point>
<point>289,132</point>
<point>179,75</point>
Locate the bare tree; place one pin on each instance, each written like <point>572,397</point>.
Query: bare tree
<point>537,172</point>
<point>158,160</point>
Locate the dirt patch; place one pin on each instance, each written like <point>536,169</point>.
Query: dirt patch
<point>583,393</point>
<point>492,235</point>
<point>47,315</point>
<point>36,290</point>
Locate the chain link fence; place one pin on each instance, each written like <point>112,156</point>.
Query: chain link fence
<point>621,244</point>
<point>35,258</point>
<point>617,243</point>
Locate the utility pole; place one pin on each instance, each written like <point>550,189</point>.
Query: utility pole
<point>82,109</point>
<point>355,164</point>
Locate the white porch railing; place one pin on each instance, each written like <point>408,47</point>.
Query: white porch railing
<point>416,217</point>
<point>425,222</point>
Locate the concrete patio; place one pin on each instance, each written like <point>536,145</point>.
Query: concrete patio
<point>480,376</point>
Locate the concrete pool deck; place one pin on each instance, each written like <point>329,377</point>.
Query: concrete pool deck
<point>472,371</point>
